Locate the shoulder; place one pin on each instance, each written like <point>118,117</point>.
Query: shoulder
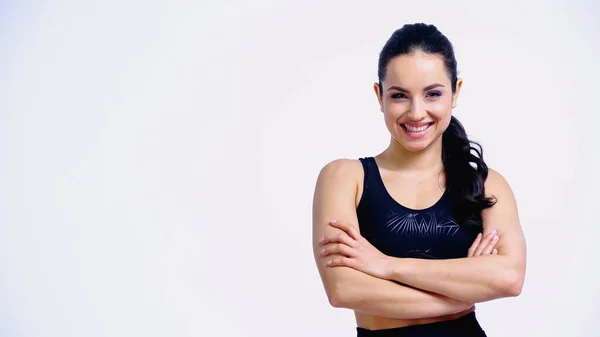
<point>498,187</point>
<point>338,184</point>
<point>495,180</point>
<point>341,175</point>
<point>342,169</point>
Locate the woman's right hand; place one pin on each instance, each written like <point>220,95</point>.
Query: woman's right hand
<point>484,246</point>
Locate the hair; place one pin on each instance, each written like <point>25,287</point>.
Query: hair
<point>465,169</point>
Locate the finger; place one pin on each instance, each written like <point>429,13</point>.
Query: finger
<point>338,238</point>
<point>341,261</point>
<point>490,247</point>
<point>484,243</point>
<point>338,249</point>
<point>348,228</point>
<point>474,245</point>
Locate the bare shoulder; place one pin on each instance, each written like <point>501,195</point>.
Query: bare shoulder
<point>497,186</point>
<point>342,170</point>
<point>336,192</point>
<point>503,215</point>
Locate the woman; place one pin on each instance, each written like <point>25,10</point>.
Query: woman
<point>412,238</point>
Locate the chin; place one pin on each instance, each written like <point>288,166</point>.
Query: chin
<point>414,148</point>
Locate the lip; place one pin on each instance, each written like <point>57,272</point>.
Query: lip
<point>416,125</point>
<point>417,135</point>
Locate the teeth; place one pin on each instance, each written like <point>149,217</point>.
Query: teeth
<point>416,129</point>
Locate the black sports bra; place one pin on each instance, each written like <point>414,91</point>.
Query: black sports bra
<point>399,231</point>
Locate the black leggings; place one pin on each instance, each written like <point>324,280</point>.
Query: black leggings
<point>465,326</point>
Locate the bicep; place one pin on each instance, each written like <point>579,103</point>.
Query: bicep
<point>334,199</point>
<point>504,218</point>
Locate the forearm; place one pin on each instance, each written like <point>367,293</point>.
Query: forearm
<point>378,297</point>
<point>472,280</point>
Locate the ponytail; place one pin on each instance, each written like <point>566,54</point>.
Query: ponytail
<point>466,172</point>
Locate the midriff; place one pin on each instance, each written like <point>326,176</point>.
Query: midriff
<point>377,323</point>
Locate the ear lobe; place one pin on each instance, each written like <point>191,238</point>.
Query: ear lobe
<point>455,100</point>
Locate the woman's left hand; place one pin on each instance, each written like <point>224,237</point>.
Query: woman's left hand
<point>356,252</point>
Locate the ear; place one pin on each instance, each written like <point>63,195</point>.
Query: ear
<point>379,96</point>
<point>455,94</point>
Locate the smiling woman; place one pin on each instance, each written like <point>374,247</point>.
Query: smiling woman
<point>412,238</point>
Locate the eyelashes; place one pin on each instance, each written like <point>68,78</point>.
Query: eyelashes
<point>431,94</point>
<point>398,96</point>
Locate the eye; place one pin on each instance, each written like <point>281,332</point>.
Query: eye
<point>398,96</point>
<point>434,94</point>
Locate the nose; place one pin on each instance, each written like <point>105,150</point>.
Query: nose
<point>417,110</point>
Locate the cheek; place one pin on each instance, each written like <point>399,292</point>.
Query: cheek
<point>392,112</point>
<point>440,109</point>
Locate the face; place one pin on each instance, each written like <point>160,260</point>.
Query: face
<point>417,100</point>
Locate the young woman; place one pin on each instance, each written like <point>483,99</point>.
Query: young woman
<point>412,238</point>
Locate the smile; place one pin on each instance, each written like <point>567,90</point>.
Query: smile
<point>416,131</point>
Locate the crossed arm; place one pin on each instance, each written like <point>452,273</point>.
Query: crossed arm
<point>358,277</point>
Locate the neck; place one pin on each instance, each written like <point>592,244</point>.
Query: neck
<point>428,159</point>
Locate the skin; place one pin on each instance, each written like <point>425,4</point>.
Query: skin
<point>417,89</point>
<point>405,99</point>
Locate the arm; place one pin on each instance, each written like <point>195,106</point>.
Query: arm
<point>335,198</point>
<point>480,278</point>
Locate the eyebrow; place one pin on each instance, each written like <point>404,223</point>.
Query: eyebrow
<point>429,87</point>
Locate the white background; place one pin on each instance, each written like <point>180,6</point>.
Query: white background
<point>158,158</point>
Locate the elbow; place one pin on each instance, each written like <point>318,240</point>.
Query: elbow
<point>338,296</point>
<point>336,301</point>
<point>514,289</point>
<point>513,284</point>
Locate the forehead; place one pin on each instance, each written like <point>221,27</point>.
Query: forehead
<point>416,70</point>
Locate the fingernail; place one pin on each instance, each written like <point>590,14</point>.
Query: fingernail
<point>329,262</point>
<point>479,235</point>
<point>333,221</point>
<point>495,238</point>
<point>322,239</point>
<point>493,232</point>
<point>323,251</point>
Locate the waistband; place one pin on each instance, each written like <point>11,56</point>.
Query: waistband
<point>459,327</point>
